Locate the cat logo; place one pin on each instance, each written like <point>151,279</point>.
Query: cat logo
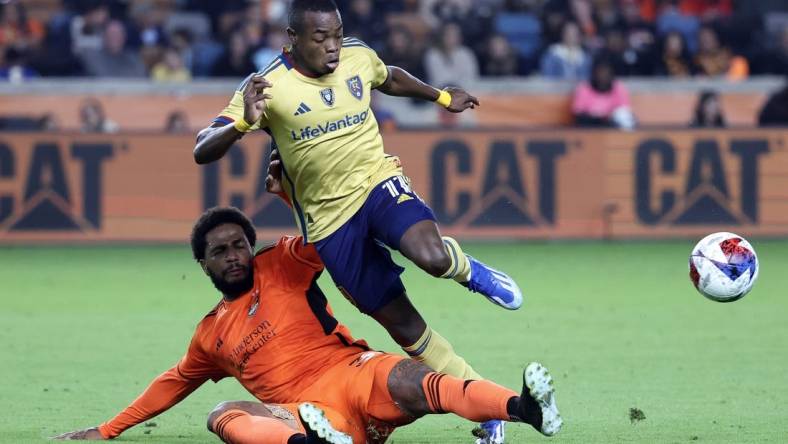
<point>509,186</point>
<point>717,186</point>
<point>58,188</point>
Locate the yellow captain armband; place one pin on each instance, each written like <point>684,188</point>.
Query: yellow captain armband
<point>242,126</point>
<point>444,98</point>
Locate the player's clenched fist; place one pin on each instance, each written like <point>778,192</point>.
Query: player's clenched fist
<point>255,97</point>
<point>91,434</point>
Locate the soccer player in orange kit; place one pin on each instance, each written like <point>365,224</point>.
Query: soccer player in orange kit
<point>275,333</point>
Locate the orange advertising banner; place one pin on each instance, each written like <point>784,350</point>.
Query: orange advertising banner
<point>502,185</point>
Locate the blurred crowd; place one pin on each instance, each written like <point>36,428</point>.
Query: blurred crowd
<point>444,41</point>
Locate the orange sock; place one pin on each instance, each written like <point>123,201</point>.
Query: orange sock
<point>474,400</point>
<point>239,427</point>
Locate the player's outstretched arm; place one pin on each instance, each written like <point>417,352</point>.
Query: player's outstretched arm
<point>168,389</point>
<point>214,142</point>
<point>401,84</point>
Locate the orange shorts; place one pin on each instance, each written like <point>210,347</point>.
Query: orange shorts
<point>355,397</point>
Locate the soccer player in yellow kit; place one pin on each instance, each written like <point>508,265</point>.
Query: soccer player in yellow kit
<point>349,197</point>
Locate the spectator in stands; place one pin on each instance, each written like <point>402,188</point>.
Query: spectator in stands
<point>436,12</point>
<point>17,30</point>
<point>55,56</point>
<point>776,60</point>
<point>400,50</point>
<point>675,59</point>
<point>672,19</point>
<point>177,123</point>
<point>216,11</point>
<point>607,16</point>
<point>640,35</point>
<point>14,67</point>
<point>171,68</point>
<point>475,17</point>
<point>708,111</point>
<point>146,29</point>
<point>500,58</point>
<point>361,20</point>
<point>277,39</point>
<point>775,110</point>
<point>555,14</point>
<point>93,119</point>
<point>583,13</point>
<point>235,62</point>
<point>567,60</point>
<point>87,29</point>
<point>48,122</point>
<point>113,59</point>
<point>181,41</point>
<point>626,61</point>
<point>603,101</point>
<point>252,31</point>
<point>145,33</point>
<point>449,62</point>
<point>713,59</point>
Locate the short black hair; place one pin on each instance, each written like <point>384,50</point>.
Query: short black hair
<point>214,217</point>
<point>295,19</point>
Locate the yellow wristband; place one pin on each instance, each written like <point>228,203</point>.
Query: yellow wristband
<point>242,126</point>
<point>444,99</point>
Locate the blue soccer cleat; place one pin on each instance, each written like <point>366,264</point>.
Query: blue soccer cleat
<point>494,285</point>
<point>490,432</point>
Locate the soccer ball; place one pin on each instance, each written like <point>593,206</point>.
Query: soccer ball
<point>723,267</point>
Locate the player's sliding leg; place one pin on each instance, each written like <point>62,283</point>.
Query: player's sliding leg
<point>244,422</point>
<point>418,394</point>
<point>443,257</point>
<point>423,344</point>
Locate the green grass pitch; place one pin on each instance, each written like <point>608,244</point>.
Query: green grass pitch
<point>83,330</point>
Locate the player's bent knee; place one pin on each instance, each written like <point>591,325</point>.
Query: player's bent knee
<point>404,384</point>
<point>433,259</point>
<point>439,265</point>
<point>223,407</point>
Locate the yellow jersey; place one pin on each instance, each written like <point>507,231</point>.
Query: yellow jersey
<point>328,139</point>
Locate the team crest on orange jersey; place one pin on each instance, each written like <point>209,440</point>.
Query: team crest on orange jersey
<point>253,308</point>
<point>328,96</point>
<point>356,87</point>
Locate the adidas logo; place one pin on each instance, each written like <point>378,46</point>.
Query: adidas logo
<point>302,109</point>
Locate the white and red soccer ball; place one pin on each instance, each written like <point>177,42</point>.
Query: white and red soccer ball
<point>723,267</point>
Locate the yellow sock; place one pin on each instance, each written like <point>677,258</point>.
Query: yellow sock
<point>460,269</point>
<point>436,352</point>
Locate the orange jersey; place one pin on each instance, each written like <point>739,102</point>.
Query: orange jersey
<point>276,340</point>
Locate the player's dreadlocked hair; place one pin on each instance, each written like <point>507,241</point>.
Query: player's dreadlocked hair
<point>296,17</point>
<point>212,219</point>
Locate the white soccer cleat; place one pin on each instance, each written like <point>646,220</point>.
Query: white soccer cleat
<point>318,427</point>
<point>537,401</point>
